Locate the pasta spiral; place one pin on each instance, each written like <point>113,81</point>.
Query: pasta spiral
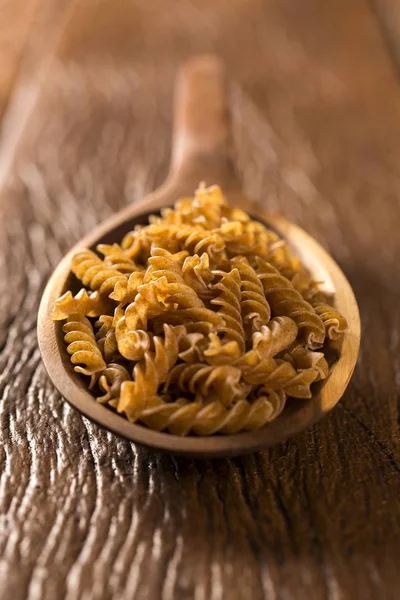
<point>335,324</point>
<point>125,290</point>
<point>136,244</point>
<point>183,417</point>
<point>116,258</point>
<point>196,320</point>
<point>206,206</point>
<point>197,275</point>
<point>290,266</point>
<point>87,305</point>
<point>191,347</point>
<point>106,339</point>
<point>231,213</point>
<point>285,377</point>
<point>150,372</point>
<point>163,287</point>
<point>126,335</point>
<point>259,362</point>
<point>179,215</point>
<point>203,381</point>
<point>285,300</point>
<point>228,301</point>
<point>203,210</point>
<point>259,367</point>
<point>163,263</point>
<point>273,337</point>
<point>276,399</point>
<point>255,309</point>
<point>92,271</point>
<point>81,345</point>
<point>304,358</point>
<point>138,312</point>
<point>110,382</point>
<point>135,344</point>
<point>248,238</point>
<point>197,241</point>
<point>282,259</point>
<point>205,321</point>
<point>163,235</point>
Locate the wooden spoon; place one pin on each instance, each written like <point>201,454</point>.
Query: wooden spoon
<point>201,152</point>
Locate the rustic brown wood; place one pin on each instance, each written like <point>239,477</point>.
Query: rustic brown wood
<point>316,137</point>
<point>16,18</point>
<point>201,153</point>
<point>27,30</point>
<point>388,13</point>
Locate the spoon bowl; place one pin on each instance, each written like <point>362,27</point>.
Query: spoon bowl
<point>201,143</point>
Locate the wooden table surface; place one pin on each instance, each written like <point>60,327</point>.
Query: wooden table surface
<point>316,120</point>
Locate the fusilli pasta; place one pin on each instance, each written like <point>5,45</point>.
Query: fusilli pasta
<point>184,416</point>
<point>285,300</point>
<point>105,337</point>
<point>205,321</point>
<point>254,307</point>
<point>150,372</point>
<point>290,267</point>
<point>82,346</point>
<point>203,381</point>
<point>228,301</point>
<point>110,382</point>
<point>94,273</point>
<point>85,304</point>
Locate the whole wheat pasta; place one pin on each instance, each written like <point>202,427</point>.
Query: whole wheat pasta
<point>201,322</point>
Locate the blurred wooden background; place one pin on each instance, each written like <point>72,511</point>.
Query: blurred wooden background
<point>85,107</point>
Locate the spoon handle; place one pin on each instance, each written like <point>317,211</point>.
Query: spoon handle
<point>201,148</point>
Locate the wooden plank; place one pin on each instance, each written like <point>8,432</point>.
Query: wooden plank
<point>24,28</point>
<point>388,13</point>
<point>317,135</point>
<point>29,34</point>
<point>16,18</point>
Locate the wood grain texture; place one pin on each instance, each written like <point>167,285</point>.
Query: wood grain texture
<point>29,34</point>
<point>317,129</point>
<point>26,26</point>
<point>16,18</point>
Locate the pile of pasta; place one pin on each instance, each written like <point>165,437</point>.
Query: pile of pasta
<point>200,322</point>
